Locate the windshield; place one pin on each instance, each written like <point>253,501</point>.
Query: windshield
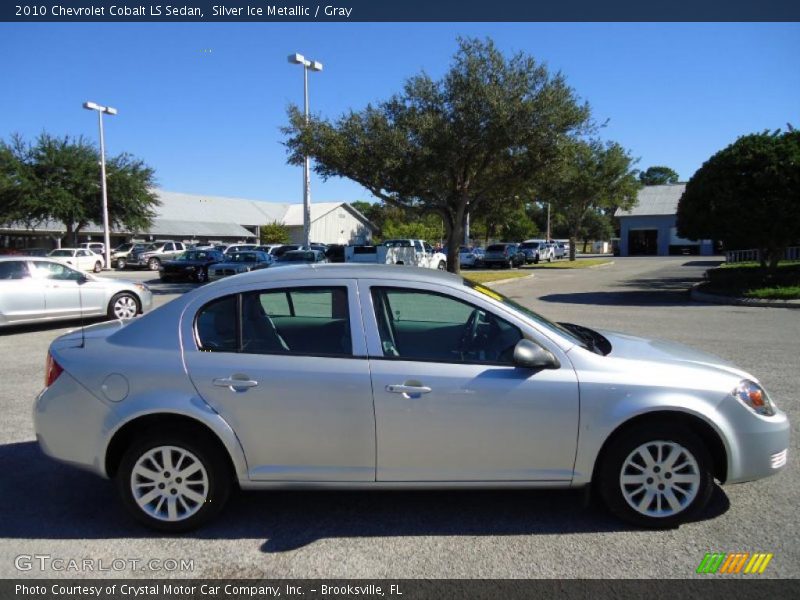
<point>193,255</point>
<point>397,243</point>
<point>297,256</point>
<point>528,245</point>
<point>61,253</point>
<point>243,257</point>
<point>527,312</point>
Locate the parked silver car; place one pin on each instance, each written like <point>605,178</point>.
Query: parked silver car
<point>374,377</point>
<point>39,289</point>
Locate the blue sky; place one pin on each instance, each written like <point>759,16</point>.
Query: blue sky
<point>203,103</point>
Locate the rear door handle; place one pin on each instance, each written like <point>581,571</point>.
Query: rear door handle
<point>235,383</point>
<point>408,389</point>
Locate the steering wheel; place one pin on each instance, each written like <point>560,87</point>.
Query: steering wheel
<point>470,331</point>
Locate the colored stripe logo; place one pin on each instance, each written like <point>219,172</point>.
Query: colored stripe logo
<point>734,563</point>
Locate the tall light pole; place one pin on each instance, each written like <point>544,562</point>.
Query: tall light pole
<point>299,59</point>
<point>106,233</point>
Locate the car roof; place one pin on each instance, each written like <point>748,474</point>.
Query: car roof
<point>346,270</point>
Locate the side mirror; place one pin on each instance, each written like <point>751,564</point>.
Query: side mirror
<point>528,355</point>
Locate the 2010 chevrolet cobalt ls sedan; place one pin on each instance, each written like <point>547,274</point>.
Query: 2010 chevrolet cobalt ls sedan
<point>350,376</point>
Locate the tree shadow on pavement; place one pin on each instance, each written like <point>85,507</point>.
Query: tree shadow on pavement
<point>43,499</point>
<point>658,291</point>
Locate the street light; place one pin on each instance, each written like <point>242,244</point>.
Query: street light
<point>299,59</point>
<point>106,233</point>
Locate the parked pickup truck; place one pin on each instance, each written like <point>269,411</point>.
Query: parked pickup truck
<point>415,253</point>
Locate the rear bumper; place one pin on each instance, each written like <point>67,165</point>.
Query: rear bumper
<point>69,423</point>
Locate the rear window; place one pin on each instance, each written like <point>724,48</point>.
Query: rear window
<point>528,245</point>
<point>496,248</point>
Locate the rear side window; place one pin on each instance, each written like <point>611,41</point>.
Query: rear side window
<point>217,326</point>
<point>15,269</point>
<point>301,321</point>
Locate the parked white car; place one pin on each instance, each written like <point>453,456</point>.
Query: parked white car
<point>82,259</point>
<point>413,253</point>
<point>537,250</point>
<point>96,247</point>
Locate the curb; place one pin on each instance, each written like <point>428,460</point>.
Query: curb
<point>699,296</point>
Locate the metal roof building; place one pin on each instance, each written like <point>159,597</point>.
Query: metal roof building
<point>649,227</point>
<point>201,218</point>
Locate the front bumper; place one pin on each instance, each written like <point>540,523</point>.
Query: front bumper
<point>758,446</point>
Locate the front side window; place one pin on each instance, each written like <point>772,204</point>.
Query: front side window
<point>303,321</point>
<point>57,271</point>
<point>428,326</point>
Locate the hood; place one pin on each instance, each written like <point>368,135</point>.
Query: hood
<point>655,350</point>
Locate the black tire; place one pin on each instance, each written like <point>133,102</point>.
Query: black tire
<point>123,302</point>
<point>201,276</point>
<point>153,264</point>
<point>624,446</point>
<point>121,263</point>
<point>536,260</point>
<point>442,266</point>
<point>98,266</point>
<point>216,468</point>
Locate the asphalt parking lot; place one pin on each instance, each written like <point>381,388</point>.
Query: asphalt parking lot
<point>51,509</point>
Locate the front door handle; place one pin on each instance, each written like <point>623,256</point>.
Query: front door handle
<point>411,390</point>
<point>236,383</point>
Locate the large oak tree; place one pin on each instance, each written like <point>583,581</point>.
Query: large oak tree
<point>58,179</point>
<point>445,146</point>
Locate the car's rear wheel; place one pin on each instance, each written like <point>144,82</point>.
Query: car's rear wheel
<point>173,482</point>
<point>657,476</point>
<point>124,305</point>
<point>98,266</point>
<point>153,264</point>
<point>442,266</point>
<point>201,275</point>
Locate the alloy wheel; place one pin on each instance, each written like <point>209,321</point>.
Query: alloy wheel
<point>660,479</point>
<point>169,483</point>
<point>125,307</point>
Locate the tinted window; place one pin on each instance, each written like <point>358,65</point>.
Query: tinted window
<point>496,248</point>
<point>216,326</point>
<point>306,321</point>
<point>15,269</point>
<point>420,325</point>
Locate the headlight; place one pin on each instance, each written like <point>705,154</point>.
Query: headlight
<point>141,287</point>
<point>754,397</point>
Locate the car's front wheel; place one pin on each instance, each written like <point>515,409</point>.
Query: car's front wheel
<point>442,266</point>
<point>123,306</point>
<point>201,276</point>
<point>154,264</point>
<point>173,481</point>
<point>121,262</point>
<point>657,476</point>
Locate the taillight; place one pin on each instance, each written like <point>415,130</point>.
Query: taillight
<point>51,371</point>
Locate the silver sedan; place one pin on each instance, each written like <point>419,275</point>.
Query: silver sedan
<point>39,289</point>
<point>379,377</point>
